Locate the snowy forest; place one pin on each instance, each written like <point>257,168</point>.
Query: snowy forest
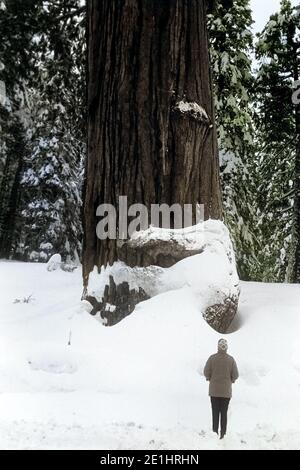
<point>176,101</point>
<point>43,132</point>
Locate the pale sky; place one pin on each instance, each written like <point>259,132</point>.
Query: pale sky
<point>262,9</point>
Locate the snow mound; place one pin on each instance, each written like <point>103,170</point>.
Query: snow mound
<point>54,263</point>
<point>211,275</point>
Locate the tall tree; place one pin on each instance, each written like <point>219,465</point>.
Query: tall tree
<point>43,143</point>
<point>151,132</point>
<point>231,47</point>
<point>18,22</point>
<point>278,161</point>
<point>51,182</point>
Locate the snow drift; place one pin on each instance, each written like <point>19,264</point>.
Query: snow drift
<point>139,384</point>
<point>207,270</point>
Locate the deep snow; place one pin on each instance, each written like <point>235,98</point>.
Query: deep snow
<point>210,275</point>
<point>139,384</point>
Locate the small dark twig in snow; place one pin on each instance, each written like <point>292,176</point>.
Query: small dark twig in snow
<point>25,300</point>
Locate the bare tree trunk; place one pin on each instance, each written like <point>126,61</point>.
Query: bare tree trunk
<point>10,190</point>
<point>145,57</point>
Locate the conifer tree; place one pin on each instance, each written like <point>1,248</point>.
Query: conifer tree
<point>231,46</point>
<point>278,161</point>
<point>44,69</point>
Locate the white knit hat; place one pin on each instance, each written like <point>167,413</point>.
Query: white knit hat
<point>222,344</point>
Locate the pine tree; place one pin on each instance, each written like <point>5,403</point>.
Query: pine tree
<point>52,179</point>
<point>48,73</point>
<point>16,49</point>
<point>278,161</point>
<point>231,47</point>
<point>51,213</point>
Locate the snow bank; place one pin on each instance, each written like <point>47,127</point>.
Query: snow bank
<point>139,384</point>
<point>54,262</point>
<point>210,275</point>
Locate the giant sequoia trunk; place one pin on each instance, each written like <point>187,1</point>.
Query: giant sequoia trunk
<point>151,133</point>
<point>152,138</point>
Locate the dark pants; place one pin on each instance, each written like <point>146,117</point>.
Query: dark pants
<point>219,410</point>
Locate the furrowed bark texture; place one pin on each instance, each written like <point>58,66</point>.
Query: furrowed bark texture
<point>144,57</point>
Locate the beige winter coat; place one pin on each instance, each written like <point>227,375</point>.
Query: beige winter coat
<point>221,371</point>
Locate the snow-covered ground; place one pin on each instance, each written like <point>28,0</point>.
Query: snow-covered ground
<point>139,384</point>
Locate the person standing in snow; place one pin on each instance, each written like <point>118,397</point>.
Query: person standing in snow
<point>221,371</point>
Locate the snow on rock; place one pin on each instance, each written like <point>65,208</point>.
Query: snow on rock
<point>54,263</point>
<point>210,274</point>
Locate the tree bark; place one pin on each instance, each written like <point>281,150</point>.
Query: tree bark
<point>145,57</point>
<point>10,188</point>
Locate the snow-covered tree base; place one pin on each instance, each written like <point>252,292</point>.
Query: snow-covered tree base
<point>201,259</point>
<point>117,301</point>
